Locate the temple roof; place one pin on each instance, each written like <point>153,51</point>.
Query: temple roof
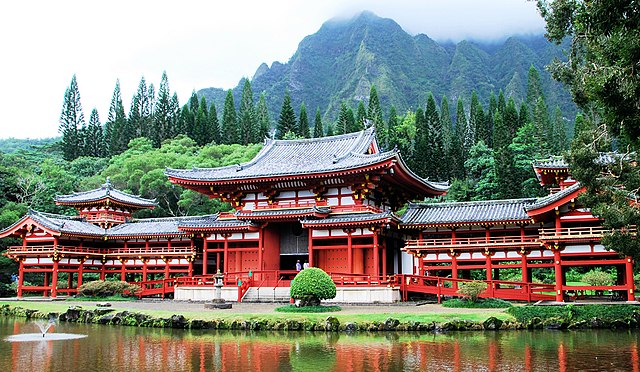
<point>551,162</point>
<point>553,198</point>
<point>490,211</point>
<point>281,212</point>
<point>69,225</point>
<point>351,219</point>
<point>105,192</point>
<point>302,158</point>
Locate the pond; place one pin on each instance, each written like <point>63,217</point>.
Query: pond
<point>109,348</point>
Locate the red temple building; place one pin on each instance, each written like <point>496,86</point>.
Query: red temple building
<point>328,201</point>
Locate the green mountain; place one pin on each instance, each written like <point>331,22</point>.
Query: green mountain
<point>344,58</point>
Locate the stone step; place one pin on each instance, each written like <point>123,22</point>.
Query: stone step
<point>281,294</point>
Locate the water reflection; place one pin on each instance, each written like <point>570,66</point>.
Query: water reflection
<point>139,349</point>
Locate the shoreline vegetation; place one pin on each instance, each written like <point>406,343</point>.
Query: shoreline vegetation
<point>618,316</point>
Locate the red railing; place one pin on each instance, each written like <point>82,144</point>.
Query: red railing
<point>304,203</point>
<point>590,232</point>
<point>439,286</point>
<point>474,242</point>
<point>98,252</point>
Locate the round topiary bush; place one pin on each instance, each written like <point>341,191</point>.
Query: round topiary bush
<point>312,285</point>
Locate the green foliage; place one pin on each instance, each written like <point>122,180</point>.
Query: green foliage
<point>287,121</point>
<point>597,278</point>
<point>313,284</point>
<point>101,288</point>
<point>307,309</point>
<point>485,303</point>
<point>609,313</point>
<point>472,290</point>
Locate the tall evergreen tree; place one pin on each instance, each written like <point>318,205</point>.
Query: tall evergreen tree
<point>94,144</point>
<point>247,123</point>
<point>392,127</point>
<point>422,160</point>
<point>318,130</point>
<point>374,113</point>
<point>287,120</point>
<point>543,125</point>
<point>534,87</point>
<point>511,118</point>
<point>141,113</point>
<point>352,126</point>
<point>118,132</point>
<point>459,155</point>
<point>163,115</point>
<point>437,167</point>
<point>361,114</point>
<point>559,135</point>
<point>213,126</point>
<point>71,120</point>
<point>264,119</point>
<point>525,148</point>
<point>201,133</point>
<point>176,124</point>
<point>303,122</point>
<point>343,120</point>
<point>505,174</point>
<point>229,123</point>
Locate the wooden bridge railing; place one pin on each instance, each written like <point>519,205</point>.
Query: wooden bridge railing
<point>471,242</point>
<point>98,252</point>
<point>595,232</point>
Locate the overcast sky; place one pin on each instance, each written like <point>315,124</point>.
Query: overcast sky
<point>199,43</point>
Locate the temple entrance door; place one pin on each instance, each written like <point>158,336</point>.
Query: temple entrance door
<point>294,245</point>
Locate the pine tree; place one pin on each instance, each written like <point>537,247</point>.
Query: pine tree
<point>229,125</point>
<point>543,125</point>
<point>361,114</point>
<point>481,170</point>
<point>511,118</point>
<point>175,125</point>
<point>422,162</point>
<point>264,119</point>
<point>341,126</point>
<point>374,113</point>
<point>287,120</point>
<point>330,131</point>
<point>392,126</point>
<point>491,112</point>
<point>201,123</point>
<point>581,125</point>
<point>247,123</point>
<point>457,156</point>
<point>93,138</point>
<point>141,113</point>
<point>534,87</point>
<point>436,168</point>
<point>505,167</point>
<point>525,148</point>
<point>317,128</point>
<point>559,133</point>
<point>71,120</point>
<point>163,113</point>
<point>213,127</point>
<point>352,126</point>
<point>303,122</point>
<point>502,103</point>
<point>118,132</point>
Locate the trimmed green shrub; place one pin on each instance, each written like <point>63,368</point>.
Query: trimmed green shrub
<point>312,285</point>
<point>597,278</point>
<point>472,290</point>
<point>102,288</point>
<point>307,309</point>
<point>525,314</point>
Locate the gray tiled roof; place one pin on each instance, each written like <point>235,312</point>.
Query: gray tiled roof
<point>552,198</point>
<point>551,162</point>
<point>104,192</point>
<point>153,226</point>
<point>212,221</point>
<point>66,224</point>
<point>293,157</point>
<point>466,212</point>
<point>349,218</point>
<point>282,212</point>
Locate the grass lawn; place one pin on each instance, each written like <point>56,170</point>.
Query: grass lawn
<point>423,317</point>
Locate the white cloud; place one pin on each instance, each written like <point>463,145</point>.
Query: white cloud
<point>199,43</point>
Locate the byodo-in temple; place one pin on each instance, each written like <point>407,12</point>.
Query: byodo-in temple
<point>329,202</point>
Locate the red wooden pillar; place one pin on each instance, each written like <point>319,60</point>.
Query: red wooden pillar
<point>261,249</point>
<point>557,266</point>
<point>488,266</point>
<point>54,279</point>
<point>103,271</point>
<point>523,264</point>
<point>80,271</point>
<point>629,279</point>
<point>205,257</point>
<point>45,293</point>
<point>166,268</point>
<point>123,272</point>
<point>20,277</point>
<point>454,268</point>
<point>144,269</point>
<point>376,254</point>
<point>349,252</point>
<point>384,258</point>
<point>226,253</point>
<point>311,247</point>
<point>190,268</point>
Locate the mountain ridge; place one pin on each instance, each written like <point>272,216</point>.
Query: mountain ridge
<point>344,58</point>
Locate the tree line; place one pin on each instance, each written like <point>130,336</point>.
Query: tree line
<point>485,151</point>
